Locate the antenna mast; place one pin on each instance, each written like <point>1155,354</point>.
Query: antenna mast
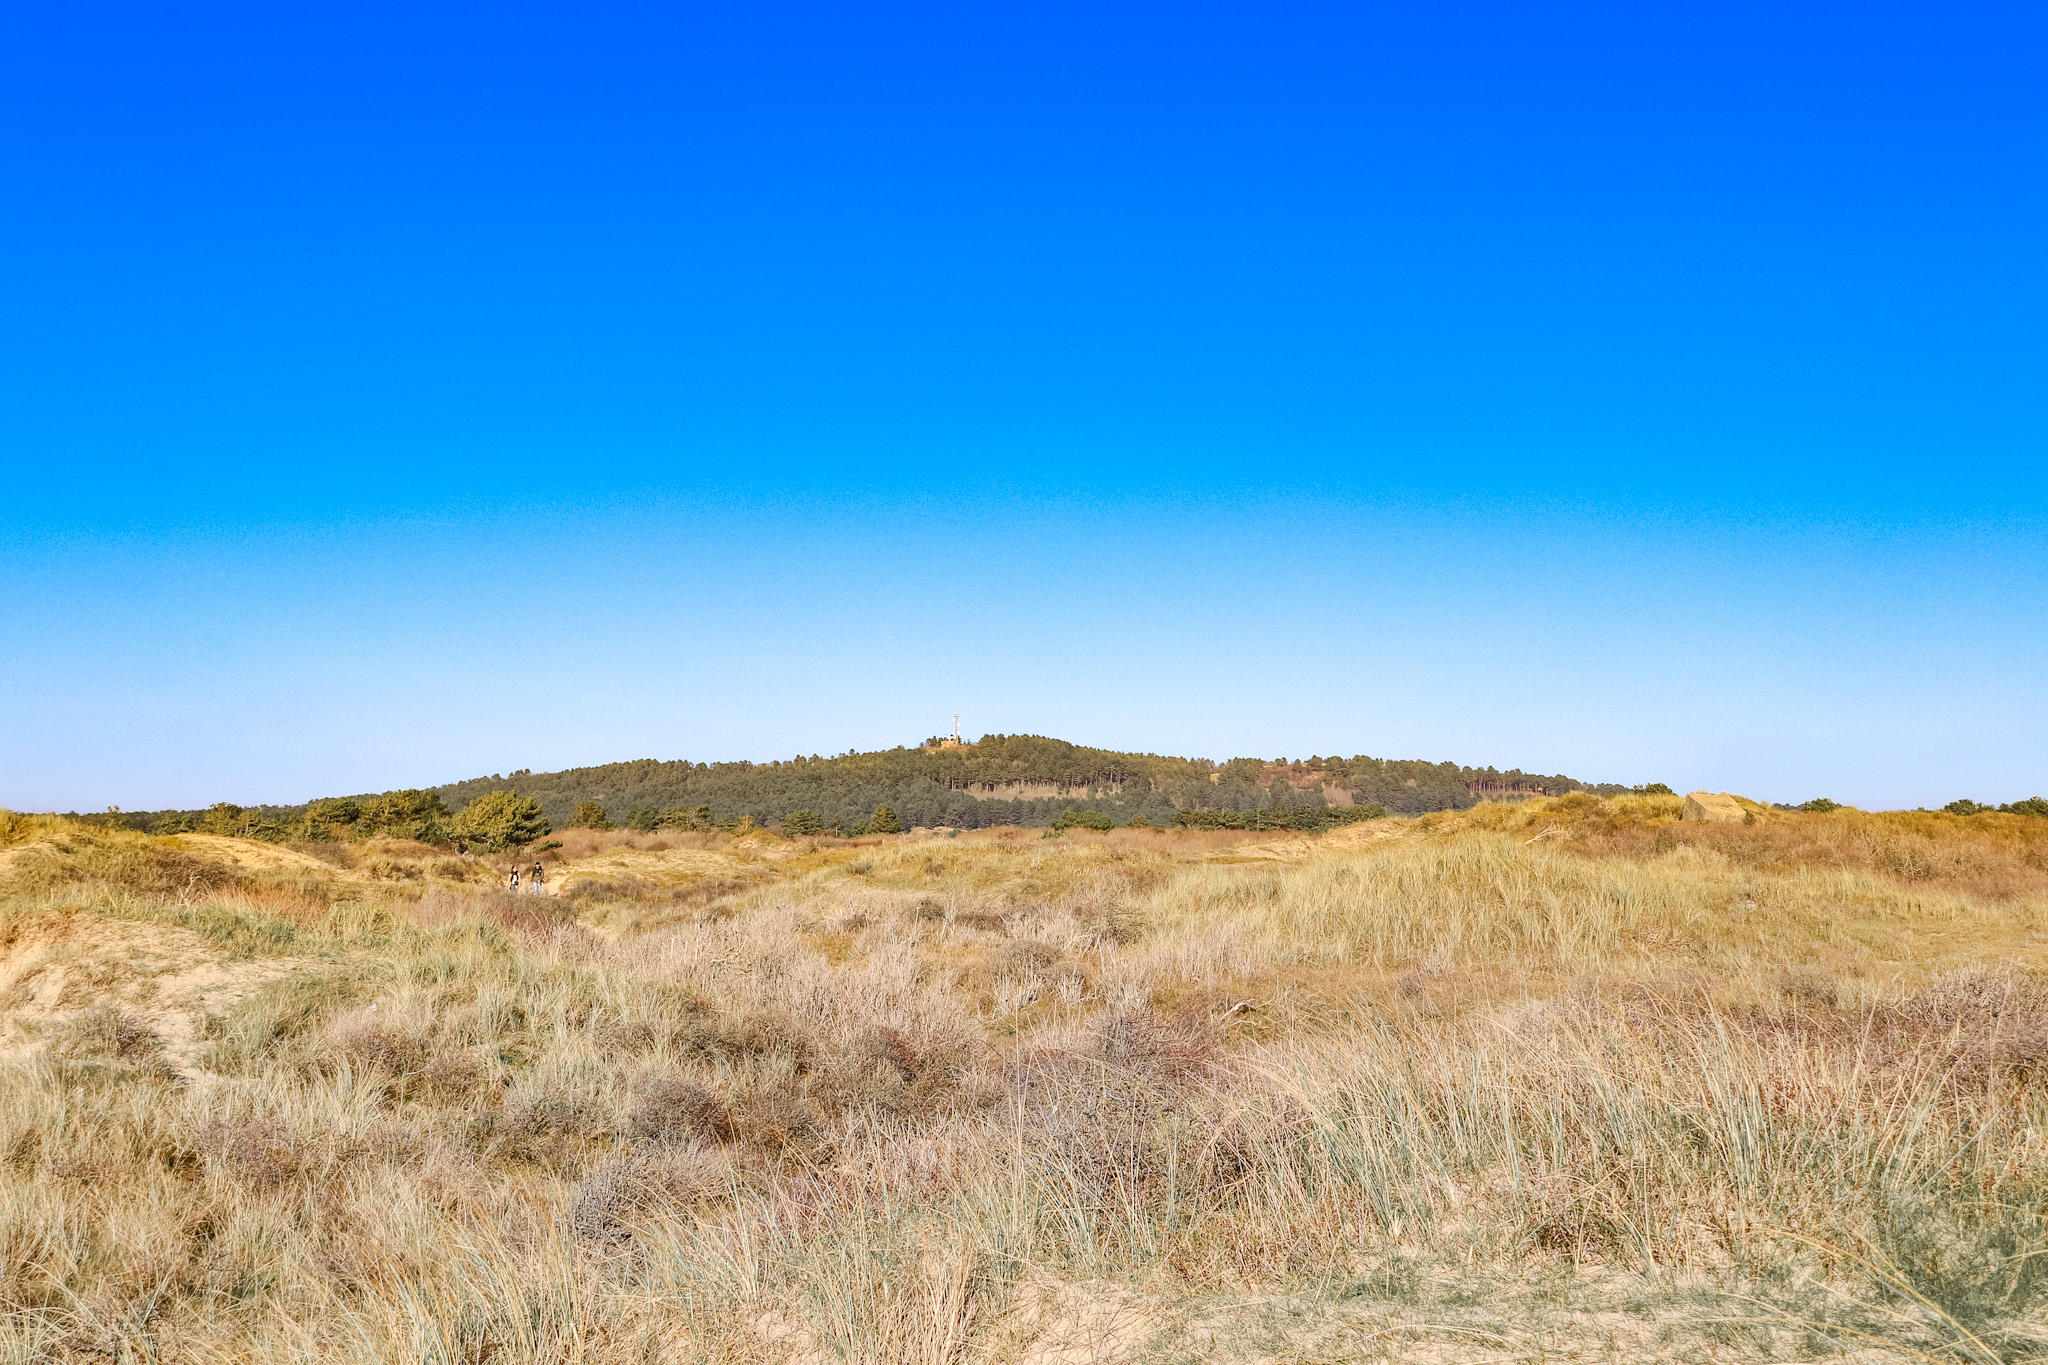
<point>956,727</point>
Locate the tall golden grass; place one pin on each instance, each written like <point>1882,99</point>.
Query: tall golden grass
<point>1558,1080</point>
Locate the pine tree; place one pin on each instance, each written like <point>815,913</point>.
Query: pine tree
<point>501,820</point>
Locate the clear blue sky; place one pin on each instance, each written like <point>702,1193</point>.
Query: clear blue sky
<point>394,394</point>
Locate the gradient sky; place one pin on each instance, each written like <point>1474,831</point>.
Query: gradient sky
<point>395,394</point>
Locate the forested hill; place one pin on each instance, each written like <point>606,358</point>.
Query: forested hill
<point>1000,780</point>
<point>1010,779</point>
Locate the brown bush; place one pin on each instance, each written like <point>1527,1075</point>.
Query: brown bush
<point>1110,926</point>
<point>1110,1115</point>
<point>604,1201</point>
<point>1021,955</point>
<point>418,1062</point>
<point>1806,985</point>
<point>670,1107</point>
<point>368,1041</point>
<point>774,1118</point>
<point>530,1114</point>
<point>106,1032</point>
<point>1175,1047</point>
<point>889,1046</point>
<point>767,1033</point>
<point>257,1152</point>
<point>662,1016</point>
<point>1989,1021</point>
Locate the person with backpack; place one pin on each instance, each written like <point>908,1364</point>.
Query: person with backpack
<point>515,879</point>
<point>535,878</point>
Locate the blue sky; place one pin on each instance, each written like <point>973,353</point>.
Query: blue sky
<point>390,395</point>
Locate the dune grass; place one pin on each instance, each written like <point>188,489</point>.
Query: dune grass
<point>1553,1081</point>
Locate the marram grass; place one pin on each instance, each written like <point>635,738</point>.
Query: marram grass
<point>1557,1082</point>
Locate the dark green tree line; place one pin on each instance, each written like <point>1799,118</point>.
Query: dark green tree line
<point>1026,780</point>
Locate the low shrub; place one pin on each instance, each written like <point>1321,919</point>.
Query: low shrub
<point>670,1107</point>
<point>1082,819</point>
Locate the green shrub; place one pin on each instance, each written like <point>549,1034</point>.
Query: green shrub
<point>501,820</point>
<point>1965,806</point>
<point>325,818</point>
<point>409,814</point>
<point>2033,805</point>
<point>646,819</point>
<point>225,817</point>
<point>884,821</point>
<point>1306,819</point>
<point>675,817</point>
<point>1820,805</point>
<point>589,815</point>
<point>1083,819</point>
<point>802,822</point>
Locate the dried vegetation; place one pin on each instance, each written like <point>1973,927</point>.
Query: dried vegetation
<point>1563,1080</point>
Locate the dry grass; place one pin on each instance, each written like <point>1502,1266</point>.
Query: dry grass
<point>1552,1081</point>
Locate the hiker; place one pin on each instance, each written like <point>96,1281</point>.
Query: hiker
<point>534,878</point>
<point>515,879</point>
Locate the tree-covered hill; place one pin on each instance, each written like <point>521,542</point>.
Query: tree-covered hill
<point>1000,780</point>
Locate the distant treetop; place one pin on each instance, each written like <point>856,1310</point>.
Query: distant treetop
<point>997,780</point>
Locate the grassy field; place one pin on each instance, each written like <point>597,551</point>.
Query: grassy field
<point>1557,1081</point>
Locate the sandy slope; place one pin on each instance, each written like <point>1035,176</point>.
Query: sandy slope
<point>253,855</point>
<point>1296,847</point>
<point>168,978</point>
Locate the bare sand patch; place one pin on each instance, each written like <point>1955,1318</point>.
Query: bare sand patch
<point>1086,1323</point>
<point>168,978</point>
